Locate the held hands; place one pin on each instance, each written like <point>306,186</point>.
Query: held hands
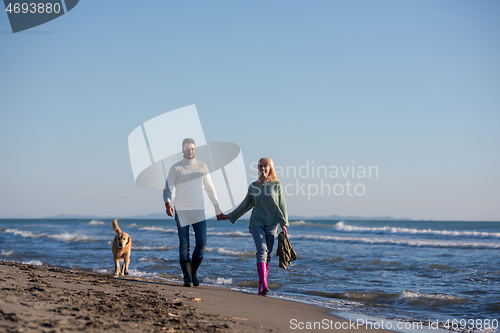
<point>169,209</point>
<point>221,217</point>
<point>220,214</point>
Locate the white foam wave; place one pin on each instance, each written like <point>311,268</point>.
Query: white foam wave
<point>95,222</point>
<point>412,243</point>
<point>140,274</point>
<point>230,234</point>
<point>24,233</point>
<point>70,237</point>
<point>301,222</point>
<point>234,253</point>
<point>342,227</point>
<point>153,248</point>
<point>33,262</point>
<point>308,224</point>
<point>6,253</point>
<point>159,229</point>
<point>219,281</point>
<point>224,251</point>
<point>153,259</point>
<point>408,294</point>
<point>64,237</point>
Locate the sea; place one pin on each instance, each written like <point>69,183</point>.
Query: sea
<point>428,272</point>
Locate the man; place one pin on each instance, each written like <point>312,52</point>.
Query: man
<point>189,176</point>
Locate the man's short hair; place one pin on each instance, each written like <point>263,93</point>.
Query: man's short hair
<point>186,141</point>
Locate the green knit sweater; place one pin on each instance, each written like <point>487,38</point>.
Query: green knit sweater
<point>268,203</point>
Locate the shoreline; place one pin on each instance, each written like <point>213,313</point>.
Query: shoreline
<point>50,299</point>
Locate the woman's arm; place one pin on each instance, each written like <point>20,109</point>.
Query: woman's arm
<point>282,207</point>
<point>244,206</point>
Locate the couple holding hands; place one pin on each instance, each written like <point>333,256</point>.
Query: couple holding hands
<point>265,196</point>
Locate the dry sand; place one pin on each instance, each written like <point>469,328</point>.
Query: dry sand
<point>48,299</point>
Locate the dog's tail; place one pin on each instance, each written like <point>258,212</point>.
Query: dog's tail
<point>116,228</point>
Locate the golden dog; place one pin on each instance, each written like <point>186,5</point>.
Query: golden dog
<point>122,246</point>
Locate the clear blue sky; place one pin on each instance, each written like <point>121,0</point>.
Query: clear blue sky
<point>411,87</point>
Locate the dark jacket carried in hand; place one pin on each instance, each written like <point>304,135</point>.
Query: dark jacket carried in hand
<point>285,251</point>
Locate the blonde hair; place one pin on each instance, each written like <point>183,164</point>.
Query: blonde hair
<point>272,172</point>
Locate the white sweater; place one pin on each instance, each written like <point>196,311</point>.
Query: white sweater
<point>189,177</point>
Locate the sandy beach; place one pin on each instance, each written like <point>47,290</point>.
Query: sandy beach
<point>49,299</point>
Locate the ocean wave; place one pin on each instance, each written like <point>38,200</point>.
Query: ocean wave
<point>442,268</point>
<point>230,234</point>
<point>33,262</point>
<point>140,274</point>
<point>158,229</point>
<point>413,295</point>
<point>308,224</point>
<point>364,297</point>
<point>95,222</point>
<point>153,248</point>
<point>335,259</point>
<point>218,282</point>
<point>223,251</point>
<point>378,262</point>
<point>399,242</point>
<point>64,237</point>
<point>406,297</point>
<point>7,253</point>
<point>427,301</point>
<point>342,227</point>
<point>24,233</point>
<point>152,259</point>
<point>301,222</point>
<point>71,237</point>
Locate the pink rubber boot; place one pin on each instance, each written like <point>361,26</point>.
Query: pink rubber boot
<point>261,268</point>
<point>266,275</point>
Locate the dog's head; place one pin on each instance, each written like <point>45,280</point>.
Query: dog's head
<point>122,239</point>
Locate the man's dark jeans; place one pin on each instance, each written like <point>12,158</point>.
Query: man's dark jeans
<point>200,232</point>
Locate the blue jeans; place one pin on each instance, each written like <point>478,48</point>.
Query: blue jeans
<point>264,236</point>
<point>200,234</point>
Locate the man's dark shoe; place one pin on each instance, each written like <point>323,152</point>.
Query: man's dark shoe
<point>186,271</point>
<point>194,269</point>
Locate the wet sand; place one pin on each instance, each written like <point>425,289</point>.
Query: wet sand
<point>49,299</point>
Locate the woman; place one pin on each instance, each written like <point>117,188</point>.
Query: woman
<point>267,199</point>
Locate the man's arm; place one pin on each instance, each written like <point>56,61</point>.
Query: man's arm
<point>210,189</point>
<point>218,212</point>
<point>167,191</point>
